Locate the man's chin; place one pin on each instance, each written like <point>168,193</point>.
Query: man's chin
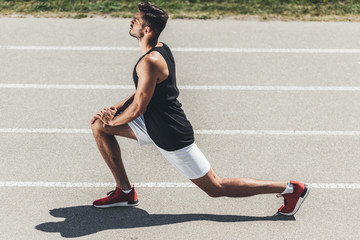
<point>131,34</point>
<point>134,36</point>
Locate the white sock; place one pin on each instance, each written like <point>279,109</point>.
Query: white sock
<point>126,191</point>
<point>289,189</point>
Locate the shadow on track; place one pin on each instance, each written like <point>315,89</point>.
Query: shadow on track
<point>85,220</point>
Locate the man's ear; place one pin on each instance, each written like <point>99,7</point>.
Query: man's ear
<point>147,29</point>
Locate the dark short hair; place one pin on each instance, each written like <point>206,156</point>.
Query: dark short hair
<point>154,17</point>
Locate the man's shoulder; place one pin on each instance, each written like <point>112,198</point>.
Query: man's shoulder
<point>153,59</point>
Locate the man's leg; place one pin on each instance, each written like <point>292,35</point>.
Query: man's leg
<point>110,150</point>
<point>191,162</point>
<point>215,186</point>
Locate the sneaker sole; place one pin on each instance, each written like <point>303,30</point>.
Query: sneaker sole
<point>119,204</point>
<point>299,202</point>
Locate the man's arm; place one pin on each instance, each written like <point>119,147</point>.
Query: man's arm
<point>121,106</point>
<point>148,71</point>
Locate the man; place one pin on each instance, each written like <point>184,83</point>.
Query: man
<point>153,115</point>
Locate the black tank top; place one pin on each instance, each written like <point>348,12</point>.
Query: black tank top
<point>165,120</point>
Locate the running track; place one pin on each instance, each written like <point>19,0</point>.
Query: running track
<point>268,100</point>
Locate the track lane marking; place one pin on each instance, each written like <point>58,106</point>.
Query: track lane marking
<point>148,185</point>
<point>181,87</point>
<point>184,49</point>
<point>198,132</point>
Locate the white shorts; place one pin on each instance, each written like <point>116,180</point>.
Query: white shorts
<point>189,160</point>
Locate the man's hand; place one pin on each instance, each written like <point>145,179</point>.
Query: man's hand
<point>105,115</point>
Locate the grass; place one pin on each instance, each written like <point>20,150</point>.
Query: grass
<point>348,10</point>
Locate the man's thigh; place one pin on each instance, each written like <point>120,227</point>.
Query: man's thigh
<point>190,161</point>
<point>121,130</point>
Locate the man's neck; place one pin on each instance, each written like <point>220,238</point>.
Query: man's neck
<point>146,45</point>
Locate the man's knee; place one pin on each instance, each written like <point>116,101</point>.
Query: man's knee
<point>97,127</point>
<point>215,191</point>
<point>211,184</point>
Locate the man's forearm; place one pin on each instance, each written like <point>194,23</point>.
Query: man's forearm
<point>121,106</point>
<point>132,112</point>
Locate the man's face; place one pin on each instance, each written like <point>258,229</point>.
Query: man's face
<point>136,27</point>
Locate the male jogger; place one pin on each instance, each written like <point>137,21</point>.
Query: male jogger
<point>153,115</point>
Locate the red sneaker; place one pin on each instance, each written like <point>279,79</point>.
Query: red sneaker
<point>117,198</point>
<point>293,201</point>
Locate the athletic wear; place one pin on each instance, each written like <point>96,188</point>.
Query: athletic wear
<point>190,161</point>
<point>293,201</point>
<point>139,128</point>
<point>117,198</point>
<point>165,121</point>
<point>289,189</point>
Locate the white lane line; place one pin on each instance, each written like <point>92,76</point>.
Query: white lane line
<point>278,132</point>
<point>181,87</point>
<point>199,132</point>
<point>150,185</point>
<point>93,185</point>
<point>64,86</point>
<point>69,48</point>
<point>45,130</point>
<point>271,88</point>
<point>267,50</point>
<point>336,185</point>
<point>179,49</point>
